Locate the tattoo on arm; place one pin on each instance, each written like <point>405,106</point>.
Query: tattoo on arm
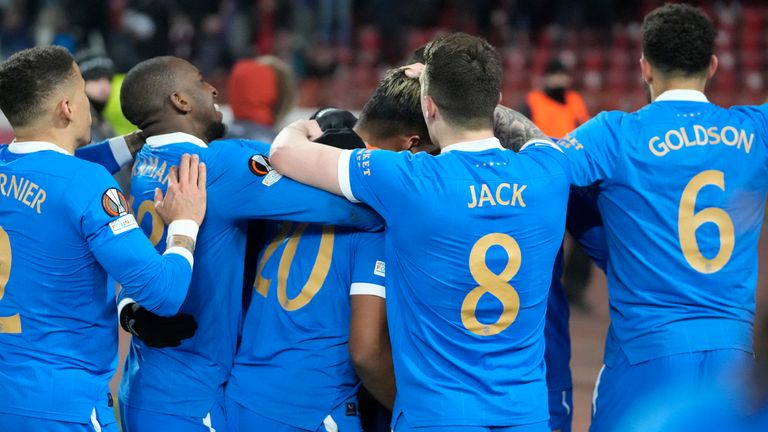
<point>514,129</point>
<point>182,241</point>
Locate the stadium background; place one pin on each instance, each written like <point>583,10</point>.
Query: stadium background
<point>339,48</point>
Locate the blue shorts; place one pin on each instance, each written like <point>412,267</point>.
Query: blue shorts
<point>623,388</point>
<point>141,420</point>
<point>241,419</point>
<point>103,422</point>
<point>561,410</point>
<point>401,425</point>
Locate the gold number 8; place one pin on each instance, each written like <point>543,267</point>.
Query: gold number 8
<point>9,324</point>
<point>491,283</point>
<point>689,222</point>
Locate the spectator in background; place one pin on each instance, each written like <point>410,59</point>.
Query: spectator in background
<point>97,71</point>
<point>261,93</point>
<point>557,109</point>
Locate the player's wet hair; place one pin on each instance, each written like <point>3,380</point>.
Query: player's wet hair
<point>28,78</point>
<point>463,76</point>
<point>146,89</point>
<point>395,108</point>
<point>678,39</point>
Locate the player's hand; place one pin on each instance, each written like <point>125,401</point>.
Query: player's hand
<point>186,194</point>
<point>154,330</point>
<point>414,70</point>
<point>334,118</point>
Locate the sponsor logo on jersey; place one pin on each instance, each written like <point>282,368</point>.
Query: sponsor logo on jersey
<point>114,203</point>
<point>259,165</point>
<point>380,269</point>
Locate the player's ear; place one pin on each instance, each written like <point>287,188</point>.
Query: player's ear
<point>647,70</point>
<point>410,142</point>
<point>428,107</point>
<point>713,62</point>
<point>180,101</point>
<point>64,110</point>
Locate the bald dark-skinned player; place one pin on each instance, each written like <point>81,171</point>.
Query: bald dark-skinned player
<point>182,388</point>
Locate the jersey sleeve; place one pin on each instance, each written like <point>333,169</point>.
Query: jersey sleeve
<point>378,178</point>
<point>585,224</point>
<point>591,150</point>
<point>157,282</point>
<point>369,268</point>
<point>112,154</point>
<point>249,188</point>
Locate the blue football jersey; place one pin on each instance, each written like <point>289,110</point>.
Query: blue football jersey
<point>112,154</point>
<point>293,364</point>
<point>682,192</point>
<point>64,225</point>
<point>241,186</point>
<point>584,224</point>
<point>471,240</point>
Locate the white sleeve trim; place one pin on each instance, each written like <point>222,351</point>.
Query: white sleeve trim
<point>120,151</point>
<point>360,288</point>
<point>344,184</point>
<point>183,252</point>
<point>123,303</point>
<point>541,142</point>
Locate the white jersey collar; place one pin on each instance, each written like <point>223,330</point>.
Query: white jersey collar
<point>174,138</point>
<point>23,147</point>
<point>475,146</point>
<point>682,95</point>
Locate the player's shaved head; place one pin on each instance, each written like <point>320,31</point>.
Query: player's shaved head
<point>394,109</point>
<point>678,39</point>
<point>147,88</point>
<point>29,78</point>
<point>463,76</point>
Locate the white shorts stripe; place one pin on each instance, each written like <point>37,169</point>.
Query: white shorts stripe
<point>330,424</point>
<point>207,423</point>
<point>95,421</point>
<point>565,403</point>
<point>595,393</point>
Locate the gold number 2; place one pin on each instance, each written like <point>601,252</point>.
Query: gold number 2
<point>491,283</point>
<point>689,222</point>
<point>158,227</point>
<point>317,276</point>
<point>9,324</point>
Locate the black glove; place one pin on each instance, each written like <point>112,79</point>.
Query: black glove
<point>154,330</point>
<point>334,118</point>
<point>345,139</point>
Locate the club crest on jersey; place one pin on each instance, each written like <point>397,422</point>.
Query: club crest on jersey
<point>259,165</point>
<point>114,203</point>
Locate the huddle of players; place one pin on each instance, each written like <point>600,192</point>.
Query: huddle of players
<point>470,236</point>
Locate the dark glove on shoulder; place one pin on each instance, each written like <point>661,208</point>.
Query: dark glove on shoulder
<point>334,118</point>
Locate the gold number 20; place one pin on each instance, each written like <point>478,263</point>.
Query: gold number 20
<point>9,324</point>
<point>689,222</point>
<point>158,227</point>
<point>316,277</point>
<point>491,283</point>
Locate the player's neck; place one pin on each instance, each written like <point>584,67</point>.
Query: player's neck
<point>166,127</point>
<point>449,136</point>
<point>659,86</point>
<point>52,136</point>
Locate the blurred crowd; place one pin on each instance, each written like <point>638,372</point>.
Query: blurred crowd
<point>335,45</point>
